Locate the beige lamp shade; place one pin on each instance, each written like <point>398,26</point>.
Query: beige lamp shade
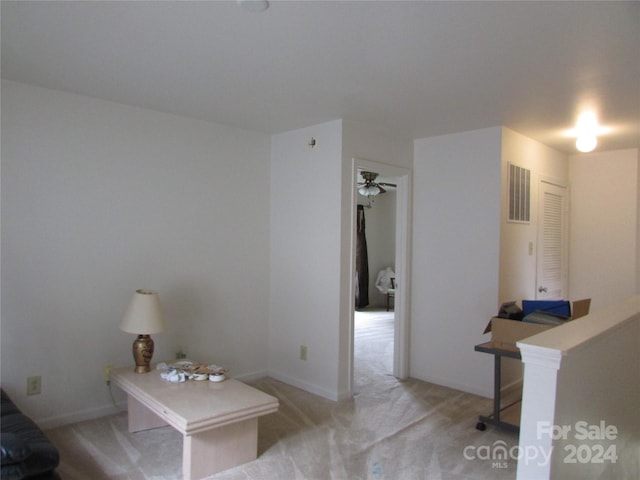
<point>144,314</point>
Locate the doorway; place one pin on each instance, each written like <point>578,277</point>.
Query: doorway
<point>401,178</point>
<point>553,247</point>
<point>374,314</point>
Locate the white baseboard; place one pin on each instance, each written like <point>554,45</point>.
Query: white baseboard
<point>48,423</point>
<point>307,387</point>
<point>75,417</point>
<point>249,377</point>
<point>487,393</point>
<point>514,388</point>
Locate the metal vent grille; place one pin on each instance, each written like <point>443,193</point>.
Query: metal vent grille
<point>519,191</point>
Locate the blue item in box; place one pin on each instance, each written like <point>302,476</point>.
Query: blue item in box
<point>560,308</point>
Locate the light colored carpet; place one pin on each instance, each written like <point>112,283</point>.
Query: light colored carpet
<point>390,430</point>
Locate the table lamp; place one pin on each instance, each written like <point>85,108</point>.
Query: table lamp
<point>143,317</point>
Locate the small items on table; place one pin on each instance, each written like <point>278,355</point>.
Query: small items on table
<point>184,370</point>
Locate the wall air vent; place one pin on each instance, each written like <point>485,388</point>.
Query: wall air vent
<point>519,193</point>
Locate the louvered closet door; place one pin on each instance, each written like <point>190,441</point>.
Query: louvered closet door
<point>552,252</point>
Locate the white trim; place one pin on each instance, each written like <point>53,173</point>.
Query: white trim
<point>47,423</point>
<point>307,387</point>
<point>403,277</point>
<point>553,181</point>
<point>252,376</point>
<point>514,388</point>
<point>541,356</point>
<point>75,417</point>
<point>485,392</point>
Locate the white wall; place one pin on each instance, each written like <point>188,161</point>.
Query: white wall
<point>604,219</point>
<point>603,189</point>
<point>376,144</point>
<point>371,145</point>
<point>456,242</point>
<point>103,197</point>
<point>601,382</point>
<point>99,199</point>
<point>517,267</point>
<point>305,257</point>
<point>311,247</point>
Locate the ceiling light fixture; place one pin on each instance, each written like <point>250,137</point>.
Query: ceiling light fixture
<point>586,143</point>
<point>367,190</point>
<point>586,132</point>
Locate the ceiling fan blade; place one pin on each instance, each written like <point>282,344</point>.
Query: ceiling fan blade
<point>392,185</point>
<point>382,190</point>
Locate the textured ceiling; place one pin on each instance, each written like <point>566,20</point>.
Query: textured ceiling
<point>416,68</point>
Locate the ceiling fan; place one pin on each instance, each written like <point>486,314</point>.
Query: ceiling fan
<point>370,186</point>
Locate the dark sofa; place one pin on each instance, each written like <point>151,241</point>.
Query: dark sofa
<point>26,451</point>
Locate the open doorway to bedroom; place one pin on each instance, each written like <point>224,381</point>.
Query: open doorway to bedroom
<point>374,315</point>
<point>379,340</point>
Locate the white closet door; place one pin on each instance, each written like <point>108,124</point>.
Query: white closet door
<point>552,255</point>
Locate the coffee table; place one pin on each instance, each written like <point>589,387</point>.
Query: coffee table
<point>218,421</point>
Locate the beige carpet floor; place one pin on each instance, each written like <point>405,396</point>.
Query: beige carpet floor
<point>390,430</point>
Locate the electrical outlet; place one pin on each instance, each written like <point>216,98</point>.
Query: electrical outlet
<point>106,372</point>
<point>303,352</point>
<point>34,385</point>
<point>181,353</point>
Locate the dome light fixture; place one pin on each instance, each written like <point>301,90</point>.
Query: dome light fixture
<point>586,143</point>
<point>586,131</point>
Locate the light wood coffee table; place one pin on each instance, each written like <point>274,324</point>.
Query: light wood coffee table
<point>218,421</point>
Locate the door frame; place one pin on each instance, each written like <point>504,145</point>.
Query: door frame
<point>402,177</point>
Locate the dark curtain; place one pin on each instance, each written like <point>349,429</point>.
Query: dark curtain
<point>362,263</point>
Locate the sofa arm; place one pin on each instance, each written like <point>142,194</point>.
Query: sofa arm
<point>28,451</point>
<point>14,450</point>
<point>14,454</point>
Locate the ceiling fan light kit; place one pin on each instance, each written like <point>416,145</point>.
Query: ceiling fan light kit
<point>367,190</point>
<point>369,187</point>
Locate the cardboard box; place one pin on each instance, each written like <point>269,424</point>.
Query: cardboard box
<point>505,333</point>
